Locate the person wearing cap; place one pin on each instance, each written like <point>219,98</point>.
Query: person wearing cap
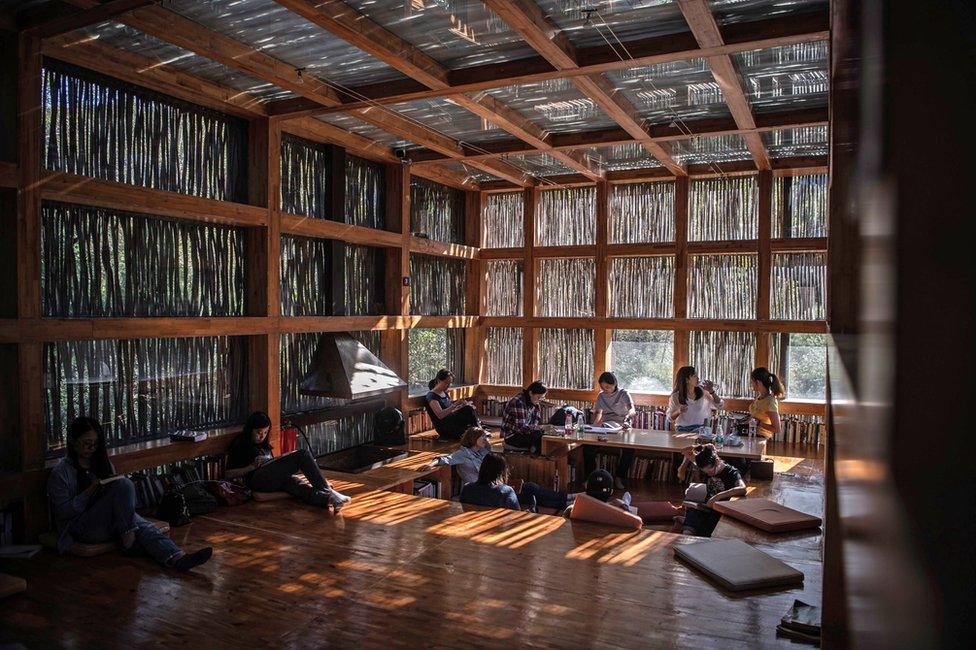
<point>599,485</point>
<point>722,482</point>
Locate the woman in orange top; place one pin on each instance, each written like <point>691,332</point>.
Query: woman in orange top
<point>765,408</point>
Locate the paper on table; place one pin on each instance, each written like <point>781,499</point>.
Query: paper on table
<point>606,427</point>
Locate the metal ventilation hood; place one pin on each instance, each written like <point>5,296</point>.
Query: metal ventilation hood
<point>344,368</point>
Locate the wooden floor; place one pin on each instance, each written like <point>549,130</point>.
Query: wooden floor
<point>397,570</point>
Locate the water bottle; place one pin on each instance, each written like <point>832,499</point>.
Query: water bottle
<point>719,439</point>
<point>567,424</point>
<point>752,428</point>
<point>580,425</point>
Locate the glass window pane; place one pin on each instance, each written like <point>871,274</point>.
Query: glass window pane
<point>643,360</point>
<point>800,361</point>
<point>800,206</point>
<point>431,349</point>
<point>436,211</point>
<point>642,212</point>
<point>566,217</point>
<point>436,285</point>
<point>504,220</point>
<point>726,358</point>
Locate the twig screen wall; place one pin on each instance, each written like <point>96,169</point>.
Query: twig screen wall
<point>363,280</point>
<point>305,177</point>
<point>566,217</point>
<point>296,352</point>
<point>144,388</point>
<point>436,211</point>
<point>336,435</point>
<point>799,286</point>
<point>365,193</point>
<point>642,212</point>
<point>97,262</point>
<point>800,206</point>
<point>800,361</point>
<point>431,349</point>
<point>565,357</point>
<point>723,208</point>
<point>436,286</point>
<point>307,274</point>
<point>504,217</point>
<point>503,355</point>
<point>641,287</point>
<point>643,360</point>
<point>104,128</point>
<point>504,287</point>
<point>727,358</point>
<point>564,287</point>
<point>722,286</point>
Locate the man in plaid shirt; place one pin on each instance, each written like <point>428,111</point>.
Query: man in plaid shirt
<point>521,418</point>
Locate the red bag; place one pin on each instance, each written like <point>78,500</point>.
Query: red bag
<point>227,493</point>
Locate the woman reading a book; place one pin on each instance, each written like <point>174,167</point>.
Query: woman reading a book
<point>691,404</point>
<point>92,505</point>
<point>613,405</point>
<point>722,482</point>
<point>250,457</point>
<point>765,408</point>
<point>468,459</point>
<point>450,419</point>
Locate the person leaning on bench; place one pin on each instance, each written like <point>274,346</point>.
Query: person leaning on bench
<point>450,419</point>
<point>250,456</point>
<point>93,506</point>
<point>469,459</point>
<point>521,419</point>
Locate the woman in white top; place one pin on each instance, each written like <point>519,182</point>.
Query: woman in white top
<point>690,404</point>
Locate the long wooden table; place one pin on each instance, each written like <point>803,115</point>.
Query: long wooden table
<point>668,442</point>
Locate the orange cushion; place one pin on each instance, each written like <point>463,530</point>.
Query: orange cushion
<point>269,496</point>
<point>657,510</point>
<point>586,508</point>
<point>10,585</point>
<point>767,515</point>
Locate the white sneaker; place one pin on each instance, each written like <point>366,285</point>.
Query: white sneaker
<point>338,500</point>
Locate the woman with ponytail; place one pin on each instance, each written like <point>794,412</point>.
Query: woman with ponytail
<point>765,409</point>
<point>450,419</point>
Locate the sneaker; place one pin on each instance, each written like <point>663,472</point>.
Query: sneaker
<point>190,560</point>
<point>619,483</point>
<point>338,500</point>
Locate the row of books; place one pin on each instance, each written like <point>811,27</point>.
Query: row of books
<point>646,417</point>
<point>796,429</point>
<point>152,484</point>
<point>654,469</point>
<point>418,421</point>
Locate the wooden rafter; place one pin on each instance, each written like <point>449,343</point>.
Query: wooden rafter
<point>343,21</point>
<point>98,13</point>
<point>699,17</point>
<point>527,19</point>
<point>182,32</point>
<point>739,37</point>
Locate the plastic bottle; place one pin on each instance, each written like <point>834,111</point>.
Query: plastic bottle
<point>719,439</point>
<point>580,425</point>
<point>752,428</point>
<point>568,424</point>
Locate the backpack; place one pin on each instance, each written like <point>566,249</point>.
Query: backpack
<point>173,509</point>
<point>559,417</point>
<point>198,499</point>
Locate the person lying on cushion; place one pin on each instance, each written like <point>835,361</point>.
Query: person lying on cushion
<point>450,419</point>
<point>469,458</point>
<point>722,482</point>
<point>250,456</point>
<point>600,485</point>
<point>93,506</point>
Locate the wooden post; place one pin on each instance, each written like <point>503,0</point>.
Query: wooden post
<point>601,334</point>
<point>530,365</point>
<point>682,337</point>
<point>264,271</point>
<point>394,349</point>
<point>474,340</point>
<point>764,267</point>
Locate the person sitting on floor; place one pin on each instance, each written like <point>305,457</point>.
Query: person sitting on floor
<point>691,405</point>
<point>490,489</point>
<point>521,419</point>
<point>469,458</point>
<point>765,408</point>
<point>450,419</point>
<point>92,506</point>
<point>722,482</point>
<point>600,485</point>
<point>250,456</point>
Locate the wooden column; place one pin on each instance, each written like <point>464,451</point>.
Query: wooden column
<point>530,198</point>
<point>474,339</point>
<point>264,270</point>
<point>601,335</point>
<point>682,336</point>
<point>764,267</point>
<point>393,342</point>
<point>30,366</point>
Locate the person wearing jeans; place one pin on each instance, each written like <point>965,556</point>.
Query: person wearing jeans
<point>250,457</point>
<point>93,506</point>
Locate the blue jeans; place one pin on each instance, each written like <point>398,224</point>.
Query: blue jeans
<point>543,496</point>
<point>112,513</point>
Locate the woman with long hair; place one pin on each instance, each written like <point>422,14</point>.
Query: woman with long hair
<point>250,457</point>
<point>92,505</point>
<point>490,489</point>
<point>450,419</point>
<point>765,408</point>
<point>522,417</point>
<point>468,459</point>
<point>691,404</point>
<point>613,404</point>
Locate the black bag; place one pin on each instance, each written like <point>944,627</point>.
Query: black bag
<point>198,498</point>
<point>173,509</point>
<point>559,417</point>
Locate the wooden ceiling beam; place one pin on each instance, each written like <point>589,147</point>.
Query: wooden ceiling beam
<point>782,30</point>
<point>97,13</point>
<point>343,21</point>
<point>699,17</point>
<point>525,17</point>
